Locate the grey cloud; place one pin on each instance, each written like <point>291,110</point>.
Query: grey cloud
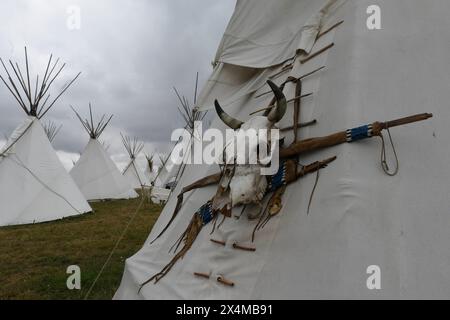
<point>130,54</point>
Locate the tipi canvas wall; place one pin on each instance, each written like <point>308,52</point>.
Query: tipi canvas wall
<point>136,175</point>
<point>98,176</point>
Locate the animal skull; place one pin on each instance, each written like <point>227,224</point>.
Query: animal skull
<point>247,184</point>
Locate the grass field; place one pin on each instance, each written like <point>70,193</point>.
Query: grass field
<point>34,258</point>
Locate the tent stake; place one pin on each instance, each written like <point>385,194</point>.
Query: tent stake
<point>312,56</point>
<point>218,242</point>
<point>240,247</point>
<point>202,275</point>
<point>224,281</point>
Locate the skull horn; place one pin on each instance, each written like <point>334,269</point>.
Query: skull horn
<point>229,121</point>
<point>277,113</point>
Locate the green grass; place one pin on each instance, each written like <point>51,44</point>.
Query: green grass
<point>34,258</point>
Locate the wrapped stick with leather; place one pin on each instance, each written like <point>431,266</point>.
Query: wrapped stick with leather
<point>349,135</point>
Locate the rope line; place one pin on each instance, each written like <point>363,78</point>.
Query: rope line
<point>3,154</point>
<point>115,247</point>
<point>383,159</point>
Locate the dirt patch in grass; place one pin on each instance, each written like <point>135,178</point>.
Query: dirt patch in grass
<point>34,258</point>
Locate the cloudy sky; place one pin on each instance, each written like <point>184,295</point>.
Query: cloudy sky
<point>131,53</point>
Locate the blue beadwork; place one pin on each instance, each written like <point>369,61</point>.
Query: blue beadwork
<point>278,179</point>
<point>205,213</point>
<point>359,133</point>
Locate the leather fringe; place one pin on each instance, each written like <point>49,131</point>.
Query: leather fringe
<point>188,237</point>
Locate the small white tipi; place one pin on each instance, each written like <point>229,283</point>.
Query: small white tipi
<point>95,173</point>
<point>172,170</point>
<point>167,172</point>
<point>133,172</point>
<point>34,186</point>
<point>159,192</point>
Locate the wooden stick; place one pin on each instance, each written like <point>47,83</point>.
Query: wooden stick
<point>90,113</point>
<point>240,247</point>
<point>41,90</point>
<point>202,275</point>
<point>19,76</point>
<point>273,105</point>
<point>342,137</point>
<point>60,94</point>
<point>284,69</point>
<point>310,73</point>
<point>317,53</point>
<point>218,242</point>
<point>297,104</point>
<point>406,120</point>
<point>313,167</point>
<point>13,86</point>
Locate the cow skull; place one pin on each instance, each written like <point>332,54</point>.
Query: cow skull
<point>246,183</point>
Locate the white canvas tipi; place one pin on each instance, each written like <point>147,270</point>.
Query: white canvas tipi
<point>152,172</point>
<point>95,173</point>
<point>167,172</point>
<point>34,186</point>
<point>160,192</point>
<point>172,170</point>
<point>133,172</point>
<point>365,229</point>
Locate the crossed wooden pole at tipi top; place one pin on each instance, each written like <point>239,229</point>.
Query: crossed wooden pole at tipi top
<point>133,147</point>
<point>51,129</point>
<point>93,129</point>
